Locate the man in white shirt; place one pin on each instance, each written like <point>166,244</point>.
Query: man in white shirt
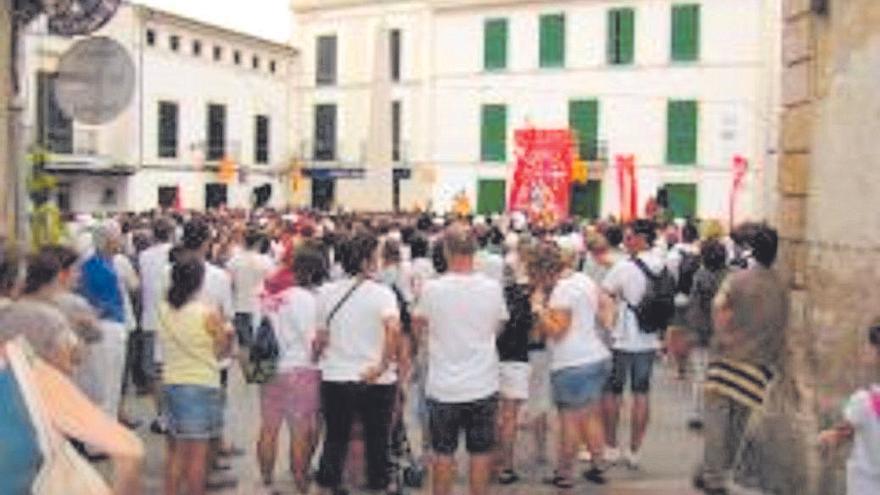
<point>462,312</point>
<point>153,263</point>
<point>249,268</point>
<point>634,350</point>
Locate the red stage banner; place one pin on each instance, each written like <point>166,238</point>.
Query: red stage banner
<point>542,179</point>
<point>627,187</point>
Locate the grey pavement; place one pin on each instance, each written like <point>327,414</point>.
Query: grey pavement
<point>668,457</point>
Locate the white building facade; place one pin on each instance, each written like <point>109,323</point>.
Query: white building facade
<point>204,97</point>
<point>683,85</point>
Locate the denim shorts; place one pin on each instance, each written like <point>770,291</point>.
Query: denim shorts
<point>576,386</point>
<point>194,412</point>
<point>635,366</point>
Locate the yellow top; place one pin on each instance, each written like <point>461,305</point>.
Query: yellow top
<point>187,346</point>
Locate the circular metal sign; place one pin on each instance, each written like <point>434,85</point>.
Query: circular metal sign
<point>75,17</point>
<point>95,81</point>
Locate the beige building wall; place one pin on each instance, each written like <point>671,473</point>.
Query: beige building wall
<point>829,188</point>
<point>6,210</point>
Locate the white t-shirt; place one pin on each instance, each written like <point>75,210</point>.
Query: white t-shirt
<point>465,313</point>
<point>217,290</point>
<point>248,270</point>
<point>128,283</point>
<point>294,316</point>
<point>863,467</point>
<point>357,331</point>
<point>153,263</point>
<point>628,284</point>
<point>422,271</point>
<point>581,344</point>
<point>492,265</point>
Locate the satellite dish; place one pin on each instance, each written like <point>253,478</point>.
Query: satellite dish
<point>95,82</point>
<point>76,17</point>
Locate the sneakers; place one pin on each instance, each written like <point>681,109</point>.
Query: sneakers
<point>584,455</point>
<point>631,459</point>
<point>612,455</point>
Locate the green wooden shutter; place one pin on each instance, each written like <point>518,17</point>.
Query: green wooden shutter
<point>681,132</point>
<point>586,199</point>
<point>495,44</point>
<point>685,33</point>
<point>583,119</point>
<point>627,36</point>
<point>494,133</point>
<point>682,200</point>
<point>491,196</point>
<point>552,41</point>
<point>621,36</point>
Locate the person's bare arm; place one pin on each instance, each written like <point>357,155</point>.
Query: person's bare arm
<point>76,417</point>
<point>390,345</point>
<point>607,310</point>
<point>220,332</point>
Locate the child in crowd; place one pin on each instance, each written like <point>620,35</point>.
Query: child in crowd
<point>861,425</point>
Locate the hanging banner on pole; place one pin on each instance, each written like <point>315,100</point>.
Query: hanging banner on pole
<point>542,179</point>
<point>627,185</point>
<point>740,167</point>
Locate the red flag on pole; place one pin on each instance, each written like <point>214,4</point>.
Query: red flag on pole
<point>627,187</point>
<point>740,167</point>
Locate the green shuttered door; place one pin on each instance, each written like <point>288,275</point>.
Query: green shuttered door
<point>585,199</point>
<point>685,33</point>
<point>491,196</point>
<point>495,44</point>
<point>583,118</point>
<point>552,42</point>
<point>493,146</point>
<point>681,140</point>
<point>621,36</point>
<point>682,200</point>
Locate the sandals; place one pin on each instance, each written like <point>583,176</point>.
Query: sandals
<point>508,477</point>
<point>560,482</point>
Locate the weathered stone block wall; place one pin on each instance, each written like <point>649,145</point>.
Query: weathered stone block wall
<point>829,183</point>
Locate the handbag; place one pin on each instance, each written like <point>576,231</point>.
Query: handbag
<point>64,471</point>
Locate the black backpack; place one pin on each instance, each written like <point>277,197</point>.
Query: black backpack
<point>690,263</point>
<point>657,307</point>
<point>263,360</point>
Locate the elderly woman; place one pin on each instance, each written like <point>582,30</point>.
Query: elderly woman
<point>567,305</point>
<point>100,286</point>
<point>38,402</point>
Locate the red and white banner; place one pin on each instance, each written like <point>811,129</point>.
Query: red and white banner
<point>628,187</point>
<point>542,179</point>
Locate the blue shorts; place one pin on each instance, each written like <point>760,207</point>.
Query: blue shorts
<point>577,386</point>
<point>194,412</point>
<point>635,366</point>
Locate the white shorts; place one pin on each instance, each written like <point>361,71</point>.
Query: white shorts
<point>539,384</point>
<point>514,380</point>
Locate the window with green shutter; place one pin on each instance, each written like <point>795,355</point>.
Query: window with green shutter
<point>493,147</point>
<point>682,200</point>
<point>583,119</point>
<point>621,36</point>
<point>681,132</point>
<point>552,42</point>
<point>491,196</point>
<point>586,199</point>
<point>495,44</point>
<point>685,33</point>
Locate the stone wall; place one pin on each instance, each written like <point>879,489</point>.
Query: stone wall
<point>829,184</point>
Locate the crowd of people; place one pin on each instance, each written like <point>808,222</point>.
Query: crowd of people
<point>363,332</point>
